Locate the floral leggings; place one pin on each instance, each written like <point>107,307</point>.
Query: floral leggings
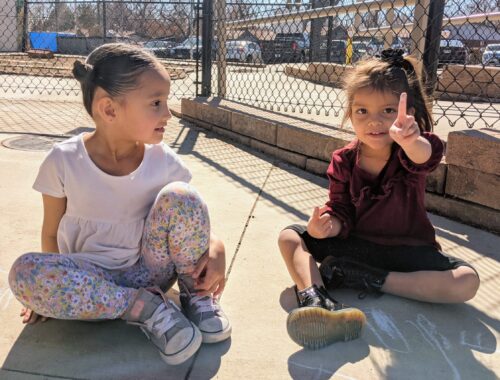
<point>176,234</point>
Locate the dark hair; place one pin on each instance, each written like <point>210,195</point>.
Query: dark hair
<point>113,67</point>
<point>390,72</point>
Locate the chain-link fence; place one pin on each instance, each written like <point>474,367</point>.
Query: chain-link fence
<point>293,55</point>
<point>40,39</point>
<point>287,55</point>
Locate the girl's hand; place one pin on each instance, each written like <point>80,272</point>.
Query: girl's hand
<point>322,226</point>
<point>209,274</point>
<point>30,317</point>
<point>405,129</point>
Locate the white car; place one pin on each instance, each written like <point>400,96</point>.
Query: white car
<point>491,55</point>
<point>243,51</point>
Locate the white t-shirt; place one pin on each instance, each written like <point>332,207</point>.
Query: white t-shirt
<point>105,214</point>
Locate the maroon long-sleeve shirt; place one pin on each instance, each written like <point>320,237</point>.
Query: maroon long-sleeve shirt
<point>388,208</point>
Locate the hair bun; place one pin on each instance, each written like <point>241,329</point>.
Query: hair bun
<point>395,58</point>
<point>81,71</point>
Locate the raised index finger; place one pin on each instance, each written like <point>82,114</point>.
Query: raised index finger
<point>402,108</point>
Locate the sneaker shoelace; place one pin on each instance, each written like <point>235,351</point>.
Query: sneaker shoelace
<point>204,304</point>
<point>162,320</point>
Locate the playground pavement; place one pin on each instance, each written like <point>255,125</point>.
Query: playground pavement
<point>250,198</point>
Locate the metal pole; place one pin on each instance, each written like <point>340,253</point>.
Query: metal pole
<point>24,41</point>
<point>220,12</point>
<point>432,40</point>
<point>206,57</point>
<point>329,36</point>
<point>104,20</point>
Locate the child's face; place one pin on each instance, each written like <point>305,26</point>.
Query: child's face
<point>144,110</point>
<point>372,114</point>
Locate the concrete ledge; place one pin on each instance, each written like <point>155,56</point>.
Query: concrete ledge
<point>466,212</point>
<point>473,186</point>
<point>478,81</point>
<point>282,154</point>
<point>462,193</point>
<point>316,166</point>
<point>257,128</point>
<point>309,143</point>
<point>436,180</point>
<point>475,149</point>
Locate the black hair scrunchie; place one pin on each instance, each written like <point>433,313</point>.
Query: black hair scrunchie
<point>395,58</point>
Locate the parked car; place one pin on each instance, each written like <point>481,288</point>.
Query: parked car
<point>290,47</point>
<point>359,50</point>
<point>243,51</point>
<point>160,48</point>
<point>338,51</point>
<point>491,55</point>
<point>191,48</point>
<point>400,43</point>
<point>452,51</point>
<point>188,49</point>
<point>374,47</point>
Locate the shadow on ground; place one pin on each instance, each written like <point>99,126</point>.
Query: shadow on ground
<point>405,339</point>
<point>104,350</point>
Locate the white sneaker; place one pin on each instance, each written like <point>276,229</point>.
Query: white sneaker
<point>169,330</point>
<point>205,312</point>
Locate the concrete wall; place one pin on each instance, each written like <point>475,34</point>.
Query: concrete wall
<point>465,186</point>
<point>8,26</point>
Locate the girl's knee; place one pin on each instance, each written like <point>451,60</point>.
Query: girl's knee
<point>21,264</point>
<point>179,192</point>
<point>21,267</point>
<point>467,283</point>
<point>288,240</point>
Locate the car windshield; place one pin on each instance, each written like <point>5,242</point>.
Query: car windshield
<point>493,48</point>
<point>359,45</point>
<point>153,44</point>
<point>189,42</point>
<point>451,43</point>
<point>235,43</point>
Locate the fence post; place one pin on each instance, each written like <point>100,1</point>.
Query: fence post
<point>24,40</point>
<point>104,21</point>
<point>206,49</point>
<point>432,40</point>
<point>220,12</point>
<point>420,25</point>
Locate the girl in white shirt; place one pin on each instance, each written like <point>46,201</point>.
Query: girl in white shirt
<point>121,224</point>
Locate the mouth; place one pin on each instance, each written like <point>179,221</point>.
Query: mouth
<point>377,134</point>
<point>160,129</point>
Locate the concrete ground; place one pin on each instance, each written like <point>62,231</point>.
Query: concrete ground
<point>251,198</point>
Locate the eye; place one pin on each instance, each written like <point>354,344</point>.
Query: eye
<point>156,103</point>
<point>360,111</point>
<point>389,110</point>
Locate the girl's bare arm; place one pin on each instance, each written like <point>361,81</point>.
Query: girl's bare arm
<point>53,210</point>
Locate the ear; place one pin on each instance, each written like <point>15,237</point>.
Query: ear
<point>411,111</point>
<point>106,108</point>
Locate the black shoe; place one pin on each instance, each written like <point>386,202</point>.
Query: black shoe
<point>320,320</point>
<point>345,272</point>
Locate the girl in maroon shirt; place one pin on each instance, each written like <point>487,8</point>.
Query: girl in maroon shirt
<point>373,233</point>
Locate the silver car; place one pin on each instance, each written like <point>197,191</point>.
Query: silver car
<point>243,51</point>
<point>491,55</point>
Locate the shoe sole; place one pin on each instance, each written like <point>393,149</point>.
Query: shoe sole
<point>216,337</point>
<point>315,327</point>
<point>187,352</point>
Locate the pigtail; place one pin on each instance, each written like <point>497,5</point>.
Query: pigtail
<point>421,103</point>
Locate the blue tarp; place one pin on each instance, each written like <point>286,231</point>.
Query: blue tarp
<point>46,40</point>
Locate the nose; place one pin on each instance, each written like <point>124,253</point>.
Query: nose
<point>167,114</point>
<point>375,120</point>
